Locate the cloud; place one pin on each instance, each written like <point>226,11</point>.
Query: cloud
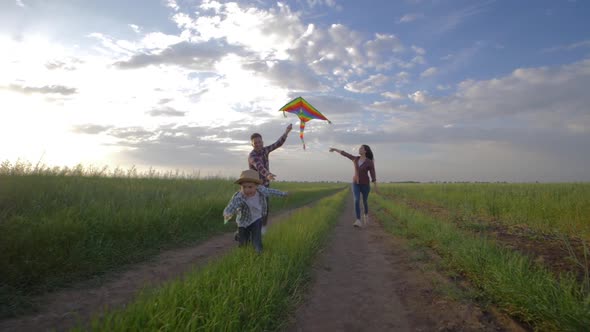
<point>165,111</point>
<point>402,78</point>
<point>286,74</point>
<point>462,57</point>
<point>369,85</point>
<point>327,3</point>
<point>184,146</point>
<point>418,50</point>
<point>172,4</point>
<point>388,106</point>
<point>135,28</point>
<point>380,49</point>
<point>64,63</point>
<point>407,18</point>
<point>47,89</point>
<point>269,32</point>
<point>419,97</point>
<point>132,135</point>
<point>392,95</point>
<point>553,90</point>
<point>199,56</point>
<point>92,129</point>
<point>445,23</point>
<point>164,101</point>
<point>537,113</point>
<point>20,3</point>
<point>573,46</point>
<point>429,72</point>
<point>278,35</point>
<point>541,112</point>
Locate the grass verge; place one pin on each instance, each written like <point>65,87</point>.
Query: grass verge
<point>511,281</point>
<point>243,291</point>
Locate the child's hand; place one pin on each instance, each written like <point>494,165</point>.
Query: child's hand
<point>226,218</point>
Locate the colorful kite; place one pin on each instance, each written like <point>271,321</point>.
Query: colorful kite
<point>304,111</point>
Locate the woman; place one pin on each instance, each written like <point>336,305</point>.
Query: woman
<point>363,167</point>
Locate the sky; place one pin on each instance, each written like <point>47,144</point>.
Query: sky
<point>441,90</point>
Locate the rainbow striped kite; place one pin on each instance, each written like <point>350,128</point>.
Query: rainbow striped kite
<point>304,111</point>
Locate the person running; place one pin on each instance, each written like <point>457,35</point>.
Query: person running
<point>364,167</point>
<point>258,160</point>
<point>249,206</point>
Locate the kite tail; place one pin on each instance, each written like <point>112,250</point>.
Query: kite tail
<point>301,129</point>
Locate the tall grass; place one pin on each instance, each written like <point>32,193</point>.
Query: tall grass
<point>22,167</point>
<point>243,291</point>
<point>517,285</point>
<point>553,207</point>
<point>58,229</point>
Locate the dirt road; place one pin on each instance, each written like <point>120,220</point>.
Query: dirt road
<point>364,280</point>
<point>368,280</point>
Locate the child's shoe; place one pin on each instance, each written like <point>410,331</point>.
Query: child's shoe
<point>366,220</point>
<point>357,223</point>
<point>263,230</point>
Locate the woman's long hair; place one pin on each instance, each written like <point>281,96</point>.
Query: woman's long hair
<point>368,152</point>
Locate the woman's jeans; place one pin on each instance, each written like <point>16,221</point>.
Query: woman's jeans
<point>357,190</point>
<point>253,232</point>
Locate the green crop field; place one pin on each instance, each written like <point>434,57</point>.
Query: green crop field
<point>56,229</point>
<point>552,207</point>
<point>526,274</point>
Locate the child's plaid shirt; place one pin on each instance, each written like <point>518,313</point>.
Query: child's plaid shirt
<point>237,205</point>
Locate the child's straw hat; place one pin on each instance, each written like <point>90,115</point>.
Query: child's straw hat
<point>249,176</point>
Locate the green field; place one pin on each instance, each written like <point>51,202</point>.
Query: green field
<point>60,226</point>
<point>57,229</point>
<point>242,291</point>
<point>510,277</point>
<point>550,207</point>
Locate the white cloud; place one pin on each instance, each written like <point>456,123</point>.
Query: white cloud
<point>372,84</point>
<point>172,4</point>
<point>407,18</point>
<point>429,72</point>
<point>327,3</point>
<point>418,50</point>
<point>270,33</point>
<point>135,28</point>
<point>402,78</point>
<point>230,68</point>
<point>419,97</point>
<point>392,95</point>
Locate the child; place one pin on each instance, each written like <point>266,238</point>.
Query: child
<point>249,204</point>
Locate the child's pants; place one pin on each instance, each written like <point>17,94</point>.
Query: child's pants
<point>252,232</point>
<point>357,190</point>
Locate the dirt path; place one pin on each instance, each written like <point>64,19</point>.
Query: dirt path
<point>62,310</point>
<point>368,280</point>
<point>364,280</point>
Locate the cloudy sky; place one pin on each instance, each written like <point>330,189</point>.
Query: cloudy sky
<point>462,90</point>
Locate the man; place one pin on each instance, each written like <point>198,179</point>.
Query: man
<point>258,161</point>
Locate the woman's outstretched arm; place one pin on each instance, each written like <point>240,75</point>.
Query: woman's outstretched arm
<point>343,153</point>
<point>335,150</point>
